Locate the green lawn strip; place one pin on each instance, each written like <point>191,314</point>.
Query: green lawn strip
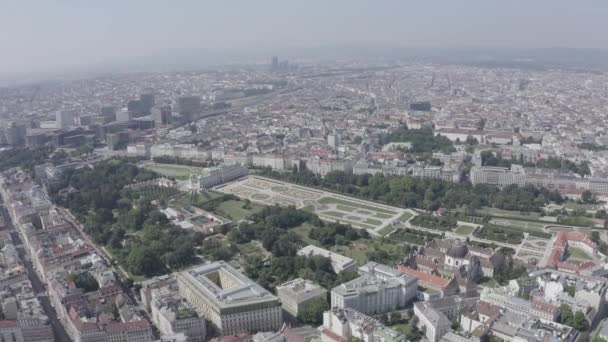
<point>234,209</point>
<point>405,216</point>
<point>518,223</point>
<point>574,206</point>
<point>310,208</point>
<point>501,233</point>
<point>373,222</point>
<point>577,253</point>
<point>335,214</point>
<point>269,180</point>
<point>333,200</point>
<point>508,213</point>
<point>383,216</point>
<point>386,230</point>
<point>577,221</point>
<point>345,208</point>
<point>464,230</point>
<point>352,223</point>
<point>306,189</point>
<point>357,251</point>
<point>174,170</point>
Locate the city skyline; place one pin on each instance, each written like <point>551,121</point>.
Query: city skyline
<point>66,36</point>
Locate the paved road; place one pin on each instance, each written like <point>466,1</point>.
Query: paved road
<point>38,286</point>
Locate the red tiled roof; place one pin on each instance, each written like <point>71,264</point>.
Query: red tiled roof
<point>422,261</point>
<point>560,245</point>
<point>544,307</point>
<point>121,327</point>
<point>333,335</point>
<point>425,278</point>
<point>8,324</point>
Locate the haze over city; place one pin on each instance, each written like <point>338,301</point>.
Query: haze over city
<point>74,35</point>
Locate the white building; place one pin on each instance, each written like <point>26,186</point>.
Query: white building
<point>325,166</point>
<point>231,301</point>
<point>65,118</point>
<point>339,262</point>
<point>379,289</point>
<point>431,321</point>
<point>173,316</point>
<point>334,139</point>
<point>296,294</point>
<point>182,151</point>
<point>138,150</point>
<point>342,324</point>
<point>216,176</point>
<point>277,163</point>
<point>124,116</point>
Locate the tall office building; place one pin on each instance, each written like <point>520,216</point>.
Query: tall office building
<point>65,118</point>
<point>15,134</point>
<point>124,116</point>
<point>334,139</point>
<point>230,300</point>
<point>109,113</point>
<point>146,102</point>
<point>189,107</point>
<point>274,63</point>
<point>161,115</point>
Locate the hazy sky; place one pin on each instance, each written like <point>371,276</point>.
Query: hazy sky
<point>38,35</point>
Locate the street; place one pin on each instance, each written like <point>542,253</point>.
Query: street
<point>58,329</point>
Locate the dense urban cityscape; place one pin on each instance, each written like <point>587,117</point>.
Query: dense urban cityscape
<point>307,202</point>
<point>304,171</point>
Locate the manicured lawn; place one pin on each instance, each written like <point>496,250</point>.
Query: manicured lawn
<point>577,221</point>
<point>464,230</point>
<point>186,199</point>
<point>335,214</point>
<point>372,222</point>
<point>333,200</point>
<point>382,216</point>
<point>310,208</point>
<point>508,213</point>
<point>386,230</point>
<point>357,251</point>
<point>345,208</point>
<point>574,205</point>
<point>235,211</point>
<point>577,253</point>
<point>519,224</point>
<point>357,224</point>
<point>406,216</point>
<point>302,231</point>
<point>181,172</point>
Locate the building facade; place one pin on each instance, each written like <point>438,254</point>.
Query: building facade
<point>231,301</point>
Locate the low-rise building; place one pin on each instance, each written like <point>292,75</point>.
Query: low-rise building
<point>342,324</point>
<point>216,176</point>
<point>296,294</point>
<point>173,315</point>
<point>430,320</point>
<point>339,262</point>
